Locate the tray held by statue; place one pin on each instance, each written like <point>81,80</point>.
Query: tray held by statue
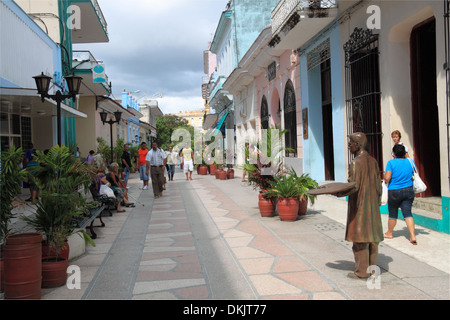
<point>332,188</point>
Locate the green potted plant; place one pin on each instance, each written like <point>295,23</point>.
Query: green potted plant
<point>287,192</point>
<point>305,183</point>
<point>11,176</point>
<point>60,179</point>
<point>133,155</point>
<point>104,150</point>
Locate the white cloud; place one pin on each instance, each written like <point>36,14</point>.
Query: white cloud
<point>157,46</point>
<point>177,104</point>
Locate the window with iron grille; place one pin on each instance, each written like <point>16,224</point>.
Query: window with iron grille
<point>362,90</point>
<point>26,132</point>
<point>290,120</point>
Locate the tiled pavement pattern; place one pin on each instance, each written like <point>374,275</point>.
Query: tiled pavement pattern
<point>205,239</point>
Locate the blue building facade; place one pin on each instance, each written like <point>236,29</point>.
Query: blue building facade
<point>322,102</point>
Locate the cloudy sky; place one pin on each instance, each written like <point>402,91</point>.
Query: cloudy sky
<point>156,46</point>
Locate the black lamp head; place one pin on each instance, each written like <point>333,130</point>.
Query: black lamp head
<point>42,83</point>
<point>73,84</point>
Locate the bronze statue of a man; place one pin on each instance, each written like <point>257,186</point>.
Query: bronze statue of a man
<point>364,227</point>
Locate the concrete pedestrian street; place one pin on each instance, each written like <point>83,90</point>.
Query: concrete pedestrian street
<point>205,239</point>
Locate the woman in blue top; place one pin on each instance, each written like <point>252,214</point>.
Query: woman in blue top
<point>398,177</point>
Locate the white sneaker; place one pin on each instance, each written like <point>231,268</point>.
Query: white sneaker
<point>145,188</point>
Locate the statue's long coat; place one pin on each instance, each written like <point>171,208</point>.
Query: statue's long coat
<point>363,216</point>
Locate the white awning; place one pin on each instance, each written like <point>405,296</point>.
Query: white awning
<point>28,103</point>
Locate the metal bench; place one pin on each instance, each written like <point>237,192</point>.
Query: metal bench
<point>107,202</point>
<point>88,221</point>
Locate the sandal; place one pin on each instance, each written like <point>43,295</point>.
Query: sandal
<point>388,237</point>
<point>413,242</point>
<point>122,210</point>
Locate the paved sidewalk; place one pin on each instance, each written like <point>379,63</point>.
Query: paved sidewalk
<point>205,239</point>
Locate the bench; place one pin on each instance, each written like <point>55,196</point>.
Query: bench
<point>88,221</point>
<point>108,203</point>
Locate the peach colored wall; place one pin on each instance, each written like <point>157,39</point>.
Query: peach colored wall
<point>274,91</point>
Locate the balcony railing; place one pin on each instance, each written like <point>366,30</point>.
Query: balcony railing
<point>306,8</point>
<point>100,15</point>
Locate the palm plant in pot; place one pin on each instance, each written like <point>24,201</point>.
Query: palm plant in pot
<point>287,192</point>
<point>263,163</point>
<point>60,178</point>
<point>305,183</point>
<point>11,176</point>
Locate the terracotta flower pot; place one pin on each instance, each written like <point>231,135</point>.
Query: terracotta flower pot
<point>223,175</point>
<point>266,206</point>
<point>64,253</point>
<point>212,169</point>
<point>288,209</point>
<point>302,206</point>
<point>230,174</point>
<point>203,170</point>
<point>54,272</point>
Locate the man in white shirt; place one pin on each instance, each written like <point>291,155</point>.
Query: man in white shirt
<point>188,156</point>
<point>156,161</point>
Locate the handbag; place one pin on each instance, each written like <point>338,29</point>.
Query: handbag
<point>384,194</point>
<point>418,185</point>
<point>104,189</point>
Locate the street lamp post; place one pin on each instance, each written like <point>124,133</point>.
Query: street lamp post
<point>118,116</point>
<point>43,84</point>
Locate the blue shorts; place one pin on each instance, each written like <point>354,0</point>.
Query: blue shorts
<point>400,199</point>
<point>143,172</point>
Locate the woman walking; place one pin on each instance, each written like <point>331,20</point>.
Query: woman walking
<point>398,177</point>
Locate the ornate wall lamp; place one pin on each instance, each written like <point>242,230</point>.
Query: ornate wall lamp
<point>43,84</point>
<point>117,116</point>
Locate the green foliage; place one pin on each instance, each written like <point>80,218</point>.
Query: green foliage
<point>283,187</point>
<point>268,160</point>
<point>166,125</point>
<point>59,176</point>
<point>305,183</point>
<point>11,177</point>
<point>118,151</point>
<point>104,149</point>
<point>292,186</point>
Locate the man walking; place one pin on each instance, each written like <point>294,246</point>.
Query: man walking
<point>364,227</point>
<point>126,163</point>
<point>188,164</point>
<point>141,164</point>
<point>171,160</point>
<point>156,160</point>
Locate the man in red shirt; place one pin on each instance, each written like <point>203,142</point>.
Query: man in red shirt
<point>141,164</point>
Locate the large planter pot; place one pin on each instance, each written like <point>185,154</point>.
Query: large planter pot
<point>217,173</point>
<point>64,253</point>
<point>203,170</point>
<point>230,174</point>
<point>288,209</point>
<point>54,272</point>
<point>2,271</point>
<point>266,206</point>
<point>212,169</point>
<point>22,266</point>
<point>223,175</point>
<point>302,206</point>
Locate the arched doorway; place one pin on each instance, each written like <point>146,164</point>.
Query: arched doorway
<point>264,113</point>
<point>290,120</point>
